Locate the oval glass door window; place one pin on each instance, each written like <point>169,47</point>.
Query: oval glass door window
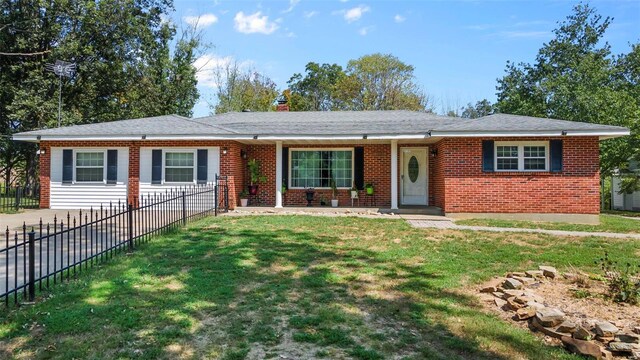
<point>414,169</point>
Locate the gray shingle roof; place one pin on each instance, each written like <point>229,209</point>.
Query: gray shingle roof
<point>333,123</point>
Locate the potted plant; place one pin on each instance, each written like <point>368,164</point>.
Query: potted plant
<point>255,176</point>
<point>354,191</point>
<point>310,193</point>
<point>334,193</point>
<point>369,188</point>
<point>244,198</point>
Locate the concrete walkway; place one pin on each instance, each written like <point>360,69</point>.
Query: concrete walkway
<point>447,224</point>
<point>31,217</point>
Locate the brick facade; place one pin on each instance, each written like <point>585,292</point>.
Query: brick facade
<point>456,182</point>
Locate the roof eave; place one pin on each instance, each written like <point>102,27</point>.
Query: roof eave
<point>603,134</point>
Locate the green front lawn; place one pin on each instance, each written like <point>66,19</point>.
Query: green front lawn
<point>635,214</point>
<point>297,286</point>
<point>608,223</point>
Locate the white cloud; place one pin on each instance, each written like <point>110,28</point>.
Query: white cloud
<point>310,14</point>
<point>292,4</point>
<point>399,18</point>
<point>201,21</point>
<point>254,23</point>
<point>365,30</point>
<point>208,64</point>
<point>353,14</point>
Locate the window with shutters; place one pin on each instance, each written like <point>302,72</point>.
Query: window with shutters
<point>179,167</point>
<point>316,167</point>
<point>522,156</point>
<point>89,166</point>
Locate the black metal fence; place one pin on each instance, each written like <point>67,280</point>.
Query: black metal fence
<point>14,198</point>
<point>34,259</point>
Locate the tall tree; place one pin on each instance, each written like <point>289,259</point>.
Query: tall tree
<point>379,82</point>
<point>575,77</point>
<point>480,109</point>
<point>240,90</point>
<point>126,66</point>
<point>314,91</point>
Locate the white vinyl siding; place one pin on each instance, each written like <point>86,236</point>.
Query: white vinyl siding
<point>623,201</point>
<point>146,187</point>
<point>84,195</point>
<point>521,156</point>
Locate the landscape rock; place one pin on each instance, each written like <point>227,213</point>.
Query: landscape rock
<point>511,283</point>
<point>581,333</point>
<point>567,327</point>
<point>522,299</point>
<point>606,354</point>
<point>549,317</point>
<point>534,324</point>
<point>582,347</point>
<point>635,355</point>
<point>535,305</point>
<point>548,271</point>
<point>525,279</point>
<point>636,329</point>
<point>514,292</point>
<point>513,305</point>
<point>525,313</point>
<point>628,338</point>
<point>534,273</point>
<point>606,329</point>
<point>617,346</point>
<point>500,303</point>
<point>515,273</point>
<point>488,289</point>
<point>499,294</point>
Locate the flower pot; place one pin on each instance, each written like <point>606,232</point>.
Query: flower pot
<point>354,194</point>
<point>253,189</point>
<point>310,194</point>
<point>334,202</point>
<point>243,202</point>
<point>369,190</point>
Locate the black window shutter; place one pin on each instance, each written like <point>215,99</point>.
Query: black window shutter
<point>556,155</point>
<point>358,167</point>
<point>156,166</point>
<point>203,161</point>
<point>112,166</point>
<point>285,166</point>
<point>487,156</point>
<point>67,166</point>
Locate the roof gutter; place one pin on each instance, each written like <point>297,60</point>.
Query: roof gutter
<point>38,138</point>
<point>600,133</point>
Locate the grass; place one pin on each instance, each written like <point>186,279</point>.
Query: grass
<point>302,287</point>
<point>608,223</point>
<point>623,213</point>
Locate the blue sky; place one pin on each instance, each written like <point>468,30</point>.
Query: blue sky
<point>458,48</point>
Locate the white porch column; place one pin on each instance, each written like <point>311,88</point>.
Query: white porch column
<point>394,174</point>
<point>279,174</point>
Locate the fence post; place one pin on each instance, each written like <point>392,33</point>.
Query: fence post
<point>130,221</point>
<point>32,267</point>
<point>18,190</point>
<point>215,198</point>
<point>184,209</point>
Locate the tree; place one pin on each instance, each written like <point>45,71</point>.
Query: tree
<point>378,82</point>
<point>314,91</point>
<point>126,67</point>
<point>480,109</point>
<point>240,90</point>
<point>575,77</point>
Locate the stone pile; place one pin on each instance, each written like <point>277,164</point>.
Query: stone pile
<point>591,338</point>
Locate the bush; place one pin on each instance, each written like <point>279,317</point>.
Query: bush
<point>624,285</point>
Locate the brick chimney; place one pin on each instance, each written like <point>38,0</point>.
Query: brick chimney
<point>282,104</point>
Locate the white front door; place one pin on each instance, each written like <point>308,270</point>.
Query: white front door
<point>413,176</point>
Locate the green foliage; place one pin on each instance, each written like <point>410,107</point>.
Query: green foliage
<point>575,77</point>
<point>314,91</point>
<point>126,67</point>
<point>241,90</point>
<point>255,174</point>
<point>480,109</point>
<point>623,283</point>
<point>334,188</point>
<point>379,82</point>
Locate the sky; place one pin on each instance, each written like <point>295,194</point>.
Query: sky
<point>458,48</point>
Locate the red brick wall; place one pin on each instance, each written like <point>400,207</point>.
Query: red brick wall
<point>469,189</point>
<point>45,175</point>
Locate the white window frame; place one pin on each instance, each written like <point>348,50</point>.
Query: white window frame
<point>182,151</point>
<point>521,145</point>
<point>104,165</point>
<point>289,170</point>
